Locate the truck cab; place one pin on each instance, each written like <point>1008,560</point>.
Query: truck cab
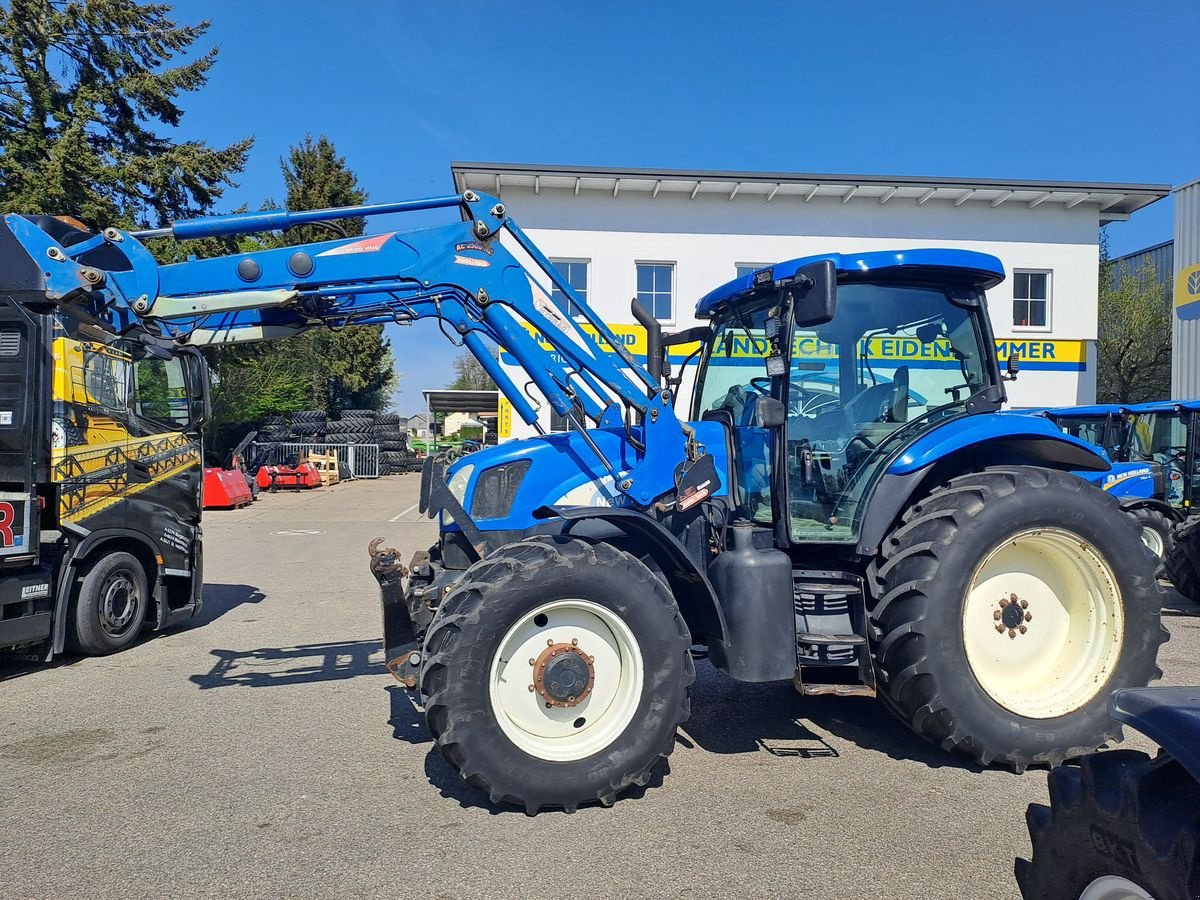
<point>100,473</point>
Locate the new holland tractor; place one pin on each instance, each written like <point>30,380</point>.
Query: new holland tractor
<point>839,504</point>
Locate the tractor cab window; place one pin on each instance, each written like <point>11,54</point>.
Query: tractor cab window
<point>160,397</point>
<point>1162,437</point>
<point>893,362</point>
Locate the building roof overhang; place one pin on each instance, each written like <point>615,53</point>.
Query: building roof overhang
<point>1112,201</point>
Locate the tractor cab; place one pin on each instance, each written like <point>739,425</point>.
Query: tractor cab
<point>1104,425</point>
<point>1165,432</point>
<point>856,357</point>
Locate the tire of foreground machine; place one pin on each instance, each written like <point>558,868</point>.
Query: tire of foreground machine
<point>1116,820</point>
<point>1013,602</point>
<point>1178,565</point>
<point>110,608</point>
<point>528,601</point>
<point>1158,532</point>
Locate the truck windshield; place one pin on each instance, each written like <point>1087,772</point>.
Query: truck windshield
<point>894,361</point>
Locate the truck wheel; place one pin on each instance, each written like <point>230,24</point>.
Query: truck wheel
<point>1158,534</point>
<point>556,673</point>
<point>110,607</point>
<point>1120,825</point>
<point>1178,565</point>
<point>1014,601</point>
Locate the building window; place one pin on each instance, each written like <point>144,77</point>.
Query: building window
<point>1031,300</point>
<point>749,268</point>
<point>575,273</point>
<point>655,282</point>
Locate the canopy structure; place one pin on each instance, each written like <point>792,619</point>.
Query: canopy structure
<point>484,405</point>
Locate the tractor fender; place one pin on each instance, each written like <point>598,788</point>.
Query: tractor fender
<point>689,584</point>
<point>1169,716</point>
<point>970,443</point>
<point>1160,506</point>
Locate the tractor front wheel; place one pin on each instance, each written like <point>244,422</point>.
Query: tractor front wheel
<point>556,673</point>
<point>1158,534</point>
<point>1013,601</point>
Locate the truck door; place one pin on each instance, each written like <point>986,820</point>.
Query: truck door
<point>23,441</point>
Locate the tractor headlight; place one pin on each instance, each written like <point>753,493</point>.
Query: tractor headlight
<point>497,489</point>
<point>459,481</point>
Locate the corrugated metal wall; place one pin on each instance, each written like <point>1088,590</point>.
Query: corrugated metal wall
<point>1161,256</point>
<point>1185,330</point>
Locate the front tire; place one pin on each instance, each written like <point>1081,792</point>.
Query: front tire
<point>1119,825</point>
<point>1012,602</point>
<point>1158,534</point>
<point>110,607</point>
<point>556,673</point>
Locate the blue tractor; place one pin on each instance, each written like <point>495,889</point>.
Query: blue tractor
<point>839,504</point>
<point>1145,485</point>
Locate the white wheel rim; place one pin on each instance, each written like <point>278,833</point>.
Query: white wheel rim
<point>1070,606</point>
<point>562,734</point>
<point>1114,887</point>
<point>1153,541</point>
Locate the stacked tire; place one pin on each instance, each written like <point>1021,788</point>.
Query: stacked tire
<point>273,429</point>
<point>393,443</point>
<point>352,427</point>
<point>309,426</point>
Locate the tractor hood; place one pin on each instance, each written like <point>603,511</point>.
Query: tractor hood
<point>501,486</point>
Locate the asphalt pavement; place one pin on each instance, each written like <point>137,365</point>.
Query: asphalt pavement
<point>262,751</point>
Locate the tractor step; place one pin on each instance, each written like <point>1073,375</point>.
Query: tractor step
<point>824,640</point>
<point>833,655</point>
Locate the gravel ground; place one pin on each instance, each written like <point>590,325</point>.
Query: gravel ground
<point>263,751</point>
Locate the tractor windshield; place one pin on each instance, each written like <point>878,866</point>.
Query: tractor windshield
<point>894,361</point>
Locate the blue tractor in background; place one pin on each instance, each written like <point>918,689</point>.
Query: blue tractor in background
<point>1140,481</point>
<point>840,503</point>
<point>1155,472</point>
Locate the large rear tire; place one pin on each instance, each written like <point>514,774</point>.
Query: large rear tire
<point>1119,825</point>
<point>1179,566</point>
<point>556,673</point>
<point>1012,602</point>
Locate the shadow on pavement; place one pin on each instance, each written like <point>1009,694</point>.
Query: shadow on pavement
<point>735,717</point>
<point>278,667</point>
<point>222,598</point>
<point>408,725</point>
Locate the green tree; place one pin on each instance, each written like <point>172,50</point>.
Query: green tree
<point>84,84</point>
<point>469,375</point>
<point>322,368</point>
<point>1133,349</point>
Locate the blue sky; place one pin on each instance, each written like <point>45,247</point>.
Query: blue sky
<point>1096,91</point>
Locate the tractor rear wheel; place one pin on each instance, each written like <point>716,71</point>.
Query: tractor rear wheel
<point>1179,566</point>
<point>556,673</point>
<point>1013,601</point>
<point>1120,825</point>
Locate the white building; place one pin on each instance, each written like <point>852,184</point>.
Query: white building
<point>669,237</point>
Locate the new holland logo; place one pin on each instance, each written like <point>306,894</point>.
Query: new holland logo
<point>33,591</point>
<point>1187,293</point>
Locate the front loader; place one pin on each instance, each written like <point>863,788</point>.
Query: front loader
<point>840,504</point>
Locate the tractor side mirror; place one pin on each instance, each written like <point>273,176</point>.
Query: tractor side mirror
<point>814,294</point>
<point>769,413</point>
<point>1013,367</point>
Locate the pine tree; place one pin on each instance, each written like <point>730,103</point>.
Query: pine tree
<point>84,84</point>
